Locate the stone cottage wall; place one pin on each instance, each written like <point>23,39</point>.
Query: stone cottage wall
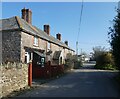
<point>11,46</point>
<point>28,41</point>
<point>54,48</point>
<point>13,78</point>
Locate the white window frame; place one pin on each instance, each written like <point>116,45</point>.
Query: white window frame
<point>48,46</point>
<point>27,57</point>
<point>35,41</point>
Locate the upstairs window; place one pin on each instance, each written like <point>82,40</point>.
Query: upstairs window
<point>36,41</point>
<point>48,46</point>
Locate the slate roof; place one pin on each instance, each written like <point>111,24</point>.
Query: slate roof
<point>16,23</point>
<point>9,24</point>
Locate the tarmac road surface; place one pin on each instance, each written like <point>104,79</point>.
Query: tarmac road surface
<point>84,82</point>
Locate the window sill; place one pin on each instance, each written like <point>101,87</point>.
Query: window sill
<point>35,45</point>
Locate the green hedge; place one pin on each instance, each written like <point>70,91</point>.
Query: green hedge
<point>105,67</point>
<point>78,64</point>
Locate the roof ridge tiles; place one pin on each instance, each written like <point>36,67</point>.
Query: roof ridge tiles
<point>18,21</point>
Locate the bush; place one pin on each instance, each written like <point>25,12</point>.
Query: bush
<point>78,64</point>
<point>69,64</point>
<point>105,61</point>
<point>106,67</point>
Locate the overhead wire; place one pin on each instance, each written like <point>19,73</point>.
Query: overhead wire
<point>79,28</point>
<point>80,21</point>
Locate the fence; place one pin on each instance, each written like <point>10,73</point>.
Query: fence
<point>48,71</point>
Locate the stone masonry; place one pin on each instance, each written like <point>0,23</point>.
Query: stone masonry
<point>11,46</point>
<point>0,46</point>
<point>13,78</point>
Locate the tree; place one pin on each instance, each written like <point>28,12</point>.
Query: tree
<point>103,58</point>
<point>105,61</point>
<point>97,51</point>
<point>115,39</point>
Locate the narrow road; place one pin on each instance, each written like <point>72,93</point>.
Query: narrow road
<point>84,82</point>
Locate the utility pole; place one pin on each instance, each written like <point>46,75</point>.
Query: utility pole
<point>79,28</point>
<point>77,48</point>
<point>81,51</point>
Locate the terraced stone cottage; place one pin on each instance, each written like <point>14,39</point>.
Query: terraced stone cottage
<point>22,42</point>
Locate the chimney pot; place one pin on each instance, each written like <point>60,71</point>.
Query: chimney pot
<point>58,36</point>
<point>47,29</point>
<point>66,42</point>
<point>27,15</point>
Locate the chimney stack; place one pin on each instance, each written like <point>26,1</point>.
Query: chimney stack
<point>27,15</point>
<point>66,42</point>
<point>47,29</point>
<point>58,36</point>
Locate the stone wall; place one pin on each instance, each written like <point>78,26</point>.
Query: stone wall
<point>0,46</point>
<point>28,41</point>
<point>13,78</point>
<point>11,46</point>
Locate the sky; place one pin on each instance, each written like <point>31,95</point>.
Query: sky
<point>63,17</point>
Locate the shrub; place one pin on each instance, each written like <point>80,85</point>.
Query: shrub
<point>78,64</point>
<point>114,34</point>
<point>105,61</point>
